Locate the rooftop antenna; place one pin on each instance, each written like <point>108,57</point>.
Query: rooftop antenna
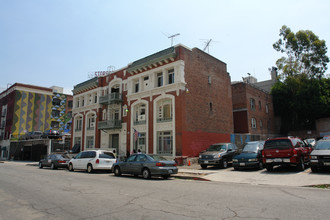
<point>173,36</point>
<point>207,45</point>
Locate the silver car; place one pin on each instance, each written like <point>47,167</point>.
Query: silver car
<point>145,165</point>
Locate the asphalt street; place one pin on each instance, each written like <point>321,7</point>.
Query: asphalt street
<point>27,192</point>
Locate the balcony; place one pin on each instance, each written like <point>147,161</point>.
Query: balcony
<point>164,119</point>
<point>111,98</point>
<point>110,124</point>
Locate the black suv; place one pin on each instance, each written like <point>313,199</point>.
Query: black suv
<point>217,155</point>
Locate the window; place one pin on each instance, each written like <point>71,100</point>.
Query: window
<point>259,105</point>
<point>159,79</point>
<point>70,104</point>
<point>78,124</point>
<point>252,104</point>
<point>55,124</point>
<point>171,76</point>
<point>267,108</point>
<point>125,86</point>
<point>136,86</point>
<point>211,106</point>
<point>90,141</point>
<point>253,123</point>
<point>95,98</point>
<point>165,142</point>
<point>83,101</point>
<point>104,115</point>
<point>77,103</point>
<point>91,122</point>
<point>56,101</point>
<point>55,113</point>
<point>164,110</point>
<point>209,79</point>
<point>260,123</point>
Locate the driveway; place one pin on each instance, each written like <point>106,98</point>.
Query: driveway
<point>286,176</point>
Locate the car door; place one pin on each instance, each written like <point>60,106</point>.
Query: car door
<point>76,161</point>
<point>48,161</point>
<point>127,166</point>
<point>138,163</point>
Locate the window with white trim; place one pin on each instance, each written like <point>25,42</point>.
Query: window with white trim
<point>171,76</point>
<point>165,142</point>
<point>164,110</point>
<point>90,142</point>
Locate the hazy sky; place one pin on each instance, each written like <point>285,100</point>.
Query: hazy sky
<point>59,42</point>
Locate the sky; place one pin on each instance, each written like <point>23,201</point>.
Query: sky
<point>60,42</point>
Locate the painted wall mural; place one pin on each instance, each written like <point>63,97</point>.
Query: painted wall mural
<point>31,112</point>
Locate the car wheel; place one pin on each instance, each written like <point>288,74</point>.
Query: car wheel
<point>301,165</point>
<point>40,165</point>
<point>165,177</point>
<point>52,166</point>
<point>117,171</point>
<point>314,169</point>
<point>203,166</point>
<point>261,166</point>
<point>146,173</point>
<point>89,168</point>
<point>224,163</point>
<point>269,167</point>
<point>70,167</point>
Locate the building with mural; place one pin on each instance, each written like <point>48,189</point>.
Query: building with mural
<point>26,108</point>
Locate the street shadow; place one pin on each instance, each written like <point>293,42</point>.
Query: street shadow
<point>153,178</point>
<point>324,171</point>
<point>282,170</point>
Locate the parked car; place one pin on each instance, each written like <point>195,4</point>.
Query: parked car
<point>320,156</point>
<point>217,155</point>
<point>311,141</point>
<point>31,135</point>
<point>326,137</point>
<point>51,134</point>
<point>250,157</point>
<point>55,161</point>
<point>146,165</point>
<point>286,151</point>
<point>92,160</point>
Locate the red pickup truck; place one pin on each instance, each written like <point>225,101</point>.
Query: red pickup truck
<point>286,151</point>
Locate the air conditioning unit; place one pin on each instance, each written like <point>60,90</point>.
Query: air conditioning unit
<point>142,118</point>
<point>92,124</point>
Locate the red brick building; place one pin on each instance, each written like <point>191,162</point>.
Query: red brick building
<point>175,103</point>
<point>253,110</point>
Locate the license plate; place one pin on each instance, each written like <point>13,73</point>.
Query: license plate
<point>278,160</point>
<point>206,161</point>
<point>242,164</point>
<point>326,164</point>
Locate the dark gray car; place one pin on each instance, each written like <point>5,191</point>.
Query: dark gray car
<point>55,161</point>
<point>145,165</point>
<point>217,155</point>
<point>320,156</point>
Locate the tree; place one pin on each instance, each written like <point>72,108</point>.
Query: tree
<point>306,53</point>
<point>303,95</point>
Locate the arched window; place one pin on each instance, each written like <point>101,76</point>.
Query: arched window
<point>164,110</point>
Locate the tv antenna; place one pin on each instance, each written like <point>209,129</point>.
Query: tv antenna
<point>207,45</point>
<point>173,36</point>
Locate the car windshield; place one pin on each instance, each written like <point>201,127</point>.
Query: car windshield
<point>250,148</point>
<point>62,156</point>
<point>278,144</point>
<point>217,147</point>
<point>107,155</point>
<point>323,145</point>
<point>156,158</point>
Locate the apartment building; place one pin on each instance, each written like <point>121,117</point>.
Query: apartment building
<point>26,108</point>
<point>253,110</point>
<point>174,103</point>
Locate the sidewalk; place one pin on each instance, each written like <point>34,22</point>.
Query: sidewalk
<point>280,176</point>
